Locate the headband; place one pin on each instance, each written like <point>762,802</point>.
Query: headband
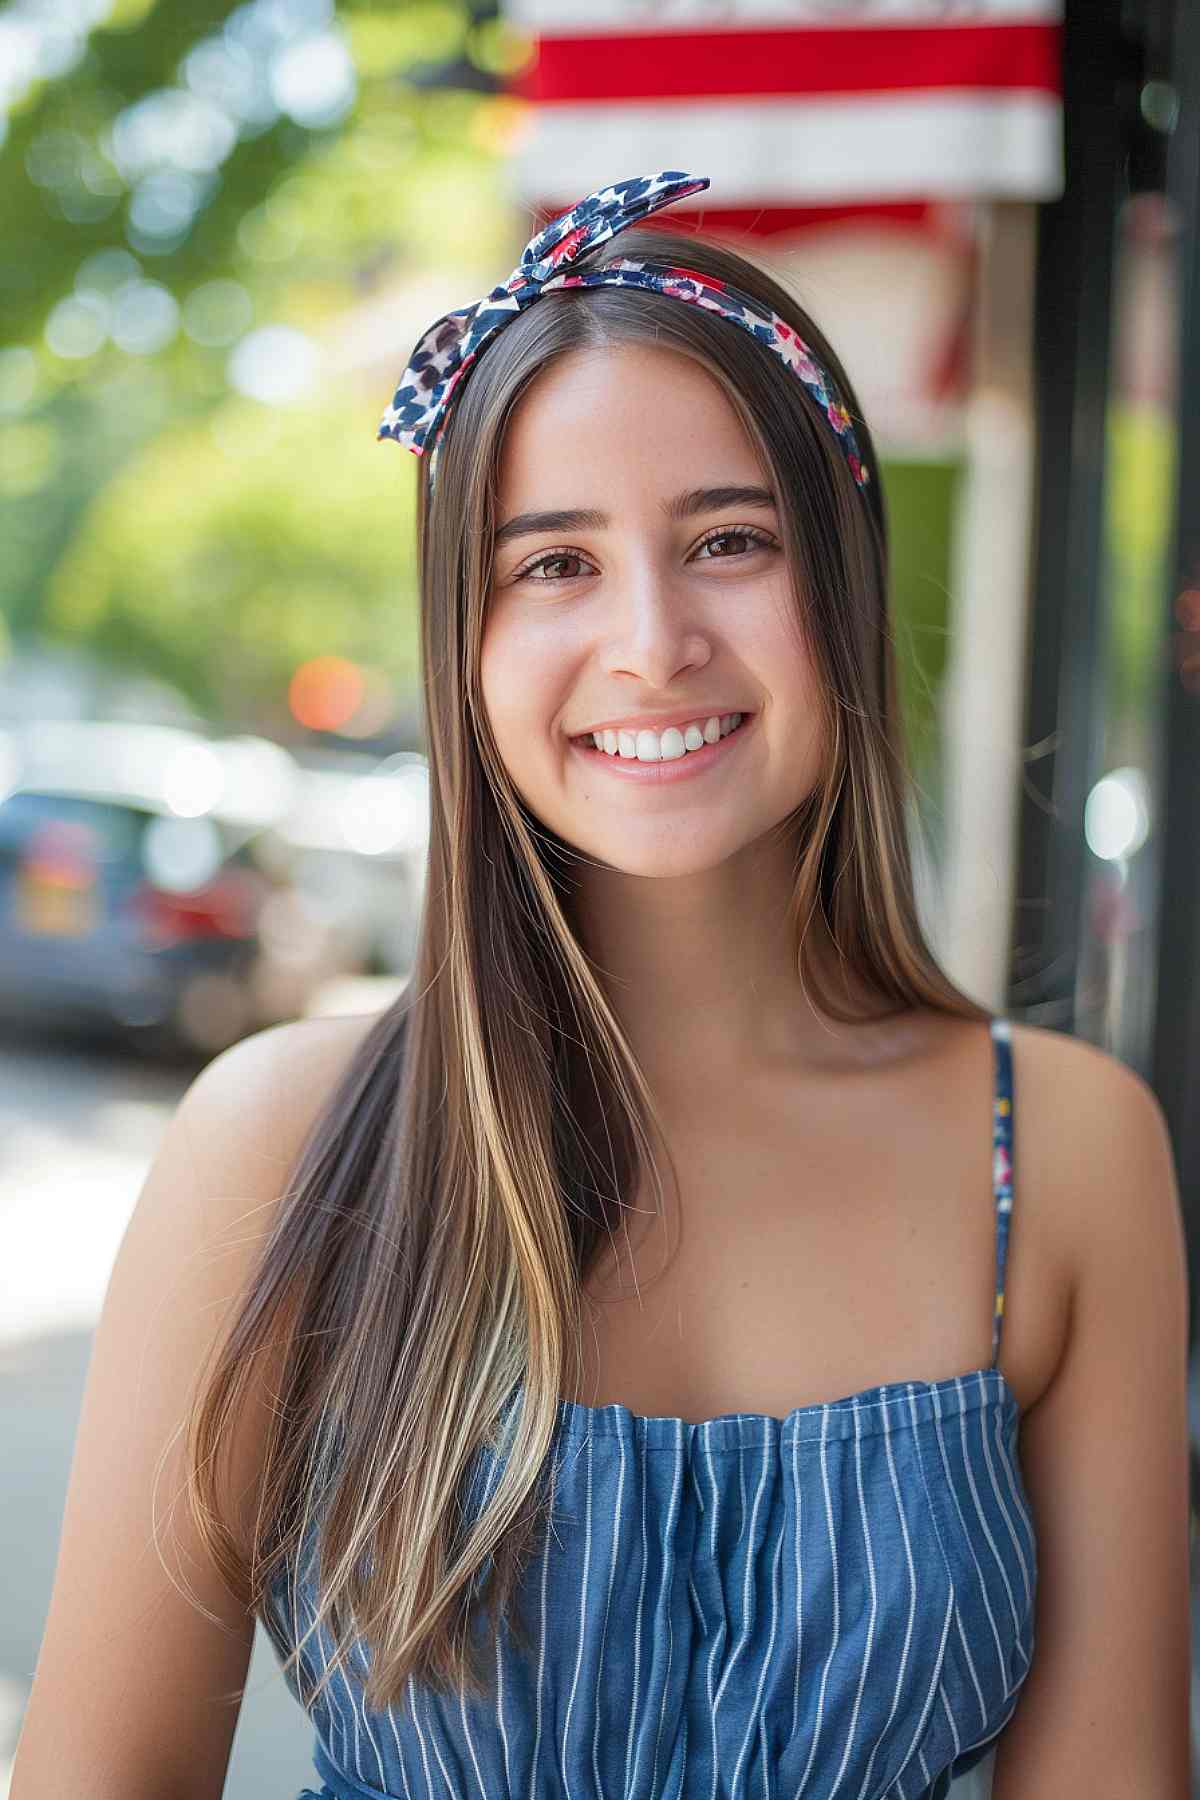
<point>416,418</point>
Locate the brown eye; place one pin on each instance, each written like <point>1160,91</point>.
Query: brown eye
<point>745,534</point>
<point>551,558</point>
<point>549,565</point>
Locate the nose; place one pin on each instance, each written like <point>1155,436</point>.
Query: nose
<point>656,632</point>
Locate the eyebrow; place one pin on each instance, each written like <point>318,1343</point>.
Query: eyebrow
<point>683,506</point>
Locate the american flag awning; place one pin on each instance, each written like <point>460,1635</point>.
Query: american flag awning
<point>794,102</point>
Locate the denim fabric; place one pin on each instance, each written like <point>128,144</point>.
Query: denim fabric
<point>839,1603</point>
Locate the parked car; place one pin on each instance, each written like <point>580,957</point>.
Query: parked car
<point>145,889</point>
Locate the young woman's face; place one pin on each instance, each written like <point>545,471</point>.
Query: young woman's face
<point>665,603</point>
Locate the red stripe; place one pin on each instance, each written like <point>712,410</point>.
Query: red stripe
<point>677,65</point>
<point>765,221</point>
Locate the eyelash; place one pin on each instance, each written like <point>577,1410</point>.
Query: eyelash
<point>762,538</point>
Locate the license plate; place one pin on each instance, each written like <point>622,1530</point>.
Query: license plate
<point>53,909</point>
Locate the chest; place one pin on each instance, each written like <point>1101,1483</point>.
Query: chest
<point>808,1250</point>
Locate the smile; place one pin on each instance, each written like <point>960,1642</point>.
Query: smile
<point>680,768</point>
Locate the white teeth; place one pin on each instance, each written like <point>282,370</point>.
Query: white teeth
<point>648,746</point>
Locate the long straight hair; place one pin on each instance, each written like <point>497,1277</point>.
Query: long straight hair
<point>426,1262</point>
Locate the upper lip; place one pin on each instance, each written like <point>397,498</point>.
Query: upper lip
<point>661,721</point>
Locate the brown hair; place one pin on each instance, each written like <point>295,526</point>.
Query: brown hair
<point>429,1254</point>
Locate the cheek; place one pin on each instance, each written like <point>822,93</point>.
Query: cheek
<point>527,653</point>
<point>521,679</point>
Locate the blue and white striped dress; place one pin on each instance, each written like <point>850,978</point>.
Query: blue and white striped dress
<point>835,1605</point>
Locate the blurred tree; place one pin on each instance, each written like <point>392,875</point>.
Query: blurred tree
<point>1138,527</point>
<point>169,130</point>
<point>169,188</point>
<point>260,556</point>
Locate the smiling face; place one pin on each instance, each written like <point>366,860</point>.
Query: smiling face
<point>667,602</point>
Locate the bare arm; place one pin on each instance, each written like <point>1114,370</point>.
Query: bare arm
<point>135,1691</point>
<point>1104,1710</point>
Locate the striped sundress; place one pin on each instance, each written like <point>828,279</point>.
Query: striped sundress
<point>834,1605</point>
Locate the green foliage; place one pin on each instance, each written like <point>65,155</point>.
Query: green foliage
<point>1141,477</point>
<point>921,502</point>
<point>125,525</point>
<point>274,536</point>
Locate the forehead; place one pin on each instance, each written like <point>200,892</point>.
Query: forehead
<point>619,416</point>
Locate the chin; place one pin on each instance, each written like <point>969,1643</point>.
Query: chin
<point>662,861</point>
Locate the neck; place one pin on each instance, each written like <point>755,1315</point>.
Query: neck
<point>704,971</point>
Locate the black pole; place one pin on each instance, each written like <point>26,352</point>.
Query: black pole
<point>1175,1073</point>
<point>1065,649</point>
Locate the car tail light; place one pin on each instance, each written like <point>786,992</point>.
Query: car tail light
<point>226,907</point>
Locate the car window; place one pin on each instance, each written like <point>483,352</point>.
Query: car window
<point>106,830</point>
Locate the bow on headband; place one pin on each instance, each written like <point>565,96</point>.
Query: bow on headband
<point>417,415</point>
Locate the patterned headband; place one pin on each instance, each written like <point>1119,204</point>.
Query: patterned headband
<point>446,351</point>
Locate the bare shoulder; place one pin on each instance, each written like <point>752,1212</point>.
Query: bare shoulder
<point>1093,1167</point>
<point>1077,1107</point>
<point>276,1080</point>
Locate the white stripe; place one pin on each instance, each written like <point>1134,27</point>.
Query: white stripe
<point>668,1576</point>
<point>583,1588</point>
<point>747,1598</point>
<point>561,18</point>
<point>612,1576</point>
<point>799,1493</point>
<point>461,1707</point>
<point>953,1726</point>
<point>351,1760</point>
<point>755,1711</point>
<point>365,1720</point>
<point>929,143</point>
<point>833,1557</point>
<point>332,1709</point>
<point>348,1758</point>
<point>719,1637</point>
<point>951,1609</point>
<point>962,1426</point>
<point>493,1480</point>
<point>962,1638</point>
<point>1005,1465</point>
<point>983,1587</point>
<point>437,1752</point>
<point>866,1662</point>
<point>399,1753</point>
<point>537,1742</point>
<point>912,1609</point>
<point>637,1627</point>
<point>412,1701</point>
<point>500,1706</point>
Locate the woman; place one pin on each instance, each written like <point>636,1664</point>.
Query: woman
<point>606,1395</point>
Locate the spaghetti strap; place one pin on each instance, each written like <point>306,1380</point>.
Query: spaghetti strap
<point>1002,1163</point>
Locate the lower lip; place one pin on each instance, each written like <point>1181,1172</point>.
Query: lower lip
<point>693,762</point>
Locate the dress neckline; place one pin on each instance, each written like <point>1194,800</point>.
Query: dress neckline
<point>885,1407</point>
